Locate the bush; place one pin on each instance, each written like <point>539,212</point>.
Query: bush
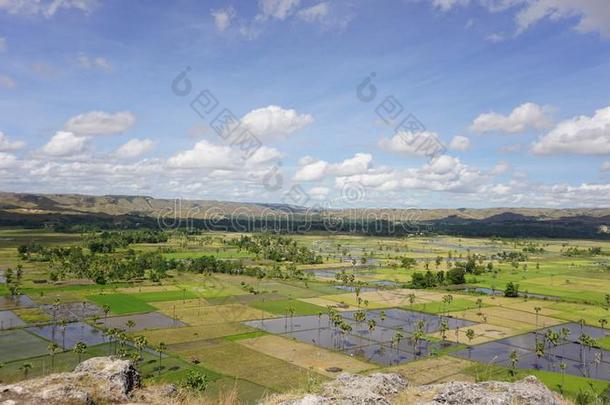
<point>195,381</point>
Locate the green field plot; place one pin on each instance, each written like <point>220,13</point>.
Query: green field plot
<point>437,307</point>
<point>121,303</point>
<point>19,344</point>
<point>283,307</point>
<point>232,358</point>
<point>157,296</point>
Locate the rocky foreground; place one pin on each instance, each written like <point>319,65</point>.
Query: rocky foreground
<point>103,380</point>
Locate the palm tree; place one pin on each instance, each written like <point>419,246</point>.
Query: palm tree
<point>161,348</point>
<point>130,324</point>
<point>64,324</point>
<point>25,367</point>
<point>52,348</point>
<point>80,348</point>
<point>443,329</point>
<point>470,335</point>
<point>539,351</point>
<point>140,343</point>
<point>537,309</point>
<point>514,359</point>
<point>106,309</point>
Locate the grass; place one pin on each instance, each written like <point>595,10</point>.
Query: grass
<point>158,296</point>
<point>281,307</point>
<point>567,385</point>
<point>19,344</point>
<point>121,303</point>
<point>438,307</point>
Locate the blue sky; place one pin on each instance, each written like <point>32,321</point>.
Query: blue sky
<point>514,96</point>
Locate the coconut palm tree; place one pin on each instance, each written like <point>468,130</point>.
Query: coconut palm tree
<point>537,309</point>
<point>80,348</point>
<point>140,342</point>
<point>130,324</point>
<point>444,327</point>
<point>64,324</point>
<point>161,348</point>
<point>25,367</point>
<point>52,348</point>
<point>514,359</point>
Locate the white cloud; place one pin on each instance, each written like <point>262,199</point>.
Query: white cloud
<point>524,117</point>
<point>2,44</point>
<point>277,9</point>
<point>100,123</point>
<point>264,154</point>
<point>592,15</point>
<point>7,82</point>
<point>420,144</point>
<point>7,160</point>
<point>312,171</point>
<point>605,167</point>
<point>319,193</point>
<point>204,155</point>
<point>314,13</point>
<point>223,18</point>
<point>274,122</point>
<point>459,143</point>
<point>7,145</point>
<point>97,62</point>
<point>500,168</point>
<point>47,8</point>
<point>64,144</point>
<point>134,148</point>
<point>580,135</point>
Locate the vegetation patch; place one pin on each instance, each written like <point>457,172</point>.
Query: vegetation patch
<point>121,303</point>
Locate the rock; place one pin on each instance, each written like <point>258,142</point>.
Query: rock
<point>103,379</point>
<point>350,389</point>
<point>334,369</point>
<point>528,391</point>
<point>385,389</point>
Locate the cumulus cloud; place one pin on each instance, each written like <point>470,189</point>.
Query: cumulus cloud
<point>97,62</point>
<point>223,18</point>
<point>7,160</point>
<point>7,82</point>
<point>500,168</point>
<point>277,9</point>
<point>319,193</point>
<point>591,15</point>
<point>100,123</point>
<point>424,143</point>
<point>7,145</point>
<point>522,118</point>
<point>274,122</point>
<point>47,8</point>
<point>315,13</point>
<point>459,143</point>
<point>134,148</point>
<point>64,144</point>
<point>207,155</point>
<point>313,170</point>
<point>580,135</point>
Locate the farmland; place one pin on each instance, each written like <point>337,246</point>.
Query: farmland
<point>270,314</point>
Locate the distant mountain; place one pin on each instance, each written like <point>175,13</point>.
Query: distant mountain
<point>68,210</point>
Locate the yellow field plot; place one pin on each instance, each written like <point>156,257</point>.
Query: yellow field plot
<point>323,302</point>
<point>147,288</point>
<point>194,333</point>
<point>216,314</point>
<point>432,370</point>
<point>169,305</point>
<point>510,318</point>
<point>350,299</point>
<point>569,283</point>
<point>305,355</point>
<point>237,360</point>
<point>483,333</point>
<point>529,306</point>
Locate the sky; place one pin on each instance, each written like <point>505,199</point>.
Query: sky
<point>371,103</point>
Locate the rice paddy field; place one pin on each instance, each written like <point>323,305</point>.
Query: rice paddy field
<point>264,335</point>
